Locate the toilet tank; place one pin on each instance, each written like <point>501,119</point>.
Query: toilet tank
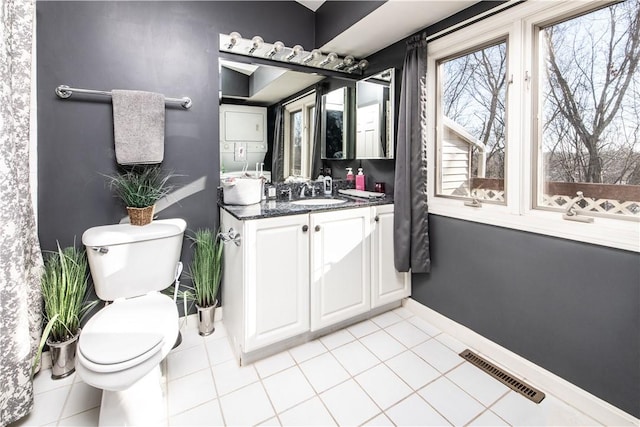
<point>128,261</point>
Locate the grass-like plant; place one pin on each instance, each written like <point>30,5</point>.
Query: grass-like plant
<point>64,290</point>
<point>206,266</point>
<point>141,186</point>
<point>64,284</point>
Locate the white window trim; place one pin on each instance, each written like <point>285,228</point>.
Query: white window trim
<point>518,26</point>
<point>304,104</point>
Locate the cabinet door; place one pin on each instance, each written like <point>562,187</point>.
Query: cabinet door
<point>340,265</point>
<point>387,284</point>
<point>277,279</point>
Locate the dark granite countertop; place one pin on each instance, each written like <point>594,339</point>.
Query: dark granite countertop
<point>274,208</point>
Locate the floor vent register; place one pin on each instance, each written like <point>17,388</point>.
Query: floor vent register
<point>504,377</point>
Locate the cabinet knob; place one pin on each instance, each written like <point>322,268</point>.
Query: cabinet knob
<point>317,228</point>
<point>377,218</point>
<point>305,228</point>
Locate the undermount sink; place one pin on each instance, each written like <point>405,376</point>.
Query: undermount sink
<point>317,202</point>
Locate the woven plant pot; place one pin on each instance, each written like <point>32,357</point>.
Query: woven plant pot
<point>141,216</point>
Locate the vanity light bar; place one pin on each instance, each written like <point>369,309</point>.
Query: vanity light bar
<point>234,43</point>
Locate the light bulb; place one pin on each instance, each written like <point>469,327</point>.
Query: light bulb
<point>363,64</point>
<point>297,50</point>
<point>346,62</point>
<point>277,47</point>
<point>257,42</point>
<point>233,39</point>
<point>313,55</point>
<point>329,59</point>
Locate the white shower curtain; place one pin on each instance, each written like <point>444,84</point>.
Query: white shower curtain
<point>20,257</point>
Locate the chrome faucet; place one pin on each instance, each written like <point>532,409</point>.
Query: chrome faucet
<point>304,188</point>
<point>572,213</point>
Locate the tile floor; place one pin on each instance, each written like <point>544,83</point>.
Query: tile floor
<point>395,369</point>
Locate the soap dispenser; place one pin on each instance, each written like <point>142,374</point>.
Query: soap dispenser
<point>360,180</point>
<point>350,176</point>
<point>328,186</point>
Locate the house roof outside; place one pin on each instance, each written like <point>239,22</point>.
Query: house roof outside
<point>462,133</point>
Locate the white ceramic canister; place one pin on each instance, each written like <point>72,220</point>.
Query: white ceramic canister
<point>241,190</point>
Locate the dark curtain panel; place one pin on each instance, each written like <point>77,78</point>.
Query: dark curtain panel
<point>411,235</point>
<point>316,149</point>
<point>277,161</point>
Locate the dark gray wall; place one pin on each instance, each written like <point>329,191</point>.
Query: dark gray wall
<point>166,47</point>
<point>233,83</point>
<point>572,308</point>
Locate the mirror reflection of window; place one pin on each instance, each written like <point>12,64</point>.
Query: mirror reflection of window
<point>299,120</point>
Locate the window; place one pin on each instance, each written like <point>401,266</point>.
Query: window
<point>299,133</point>
<point>533,105</point>
<point>471,132</point>
<point>590,111</point>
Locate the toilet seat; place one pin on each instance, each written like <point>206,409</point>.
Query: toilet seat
<point>117,351</point>
<point>128,333</point>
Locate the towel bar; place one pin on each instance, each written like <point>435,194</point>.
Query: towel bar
<point>64,92</point>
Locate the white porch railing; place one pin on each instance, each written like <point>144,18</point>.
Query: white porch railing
<point>597,197</point>
<point>607,206</point>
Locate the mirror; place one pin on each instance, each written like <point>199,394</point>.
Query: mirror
<point>337,124</point>
<point>258,82</point>
<point>375,133</point>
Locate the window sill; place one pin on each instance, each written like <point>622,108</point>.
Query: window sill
<point>619,234</point>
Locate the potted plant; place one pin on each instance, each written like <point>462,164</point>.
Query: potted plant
<point>140,188</point>
<point>64,290</point>
<point>206,273</point>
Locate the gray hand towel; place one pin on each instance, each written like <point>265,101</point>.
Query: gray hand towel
<point>138,126</point>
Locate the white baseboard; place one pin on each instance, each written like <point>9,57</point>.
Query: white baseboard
<point>539,377</point>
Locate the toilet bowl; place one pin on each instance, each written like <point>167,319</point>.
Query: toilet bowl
<point>121,347</point>
<point>124,340</point>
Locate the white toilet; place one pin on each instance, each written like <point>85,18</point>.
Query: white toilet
<point>121,347</point>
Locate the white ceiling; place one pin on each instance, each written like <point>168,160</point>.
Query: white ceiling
<point>311,4</point>
<point>391,22</point>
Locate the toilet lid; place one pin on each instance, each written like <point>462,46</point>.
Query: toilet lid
<point>111,349</point>
<point>128,331</point>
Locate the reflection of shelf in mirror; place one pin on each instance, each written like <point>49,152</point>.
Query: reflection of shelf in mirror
<point>262,84</point>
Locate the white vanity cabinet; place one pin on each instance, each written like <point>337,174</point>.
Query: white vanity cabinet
<point>387,284</point>
<point>340,265</point>
<point>266,280</point>
<point>294,277</point>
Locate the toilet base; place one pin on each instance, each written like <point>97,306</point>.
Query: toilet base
<point>143,403</point>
